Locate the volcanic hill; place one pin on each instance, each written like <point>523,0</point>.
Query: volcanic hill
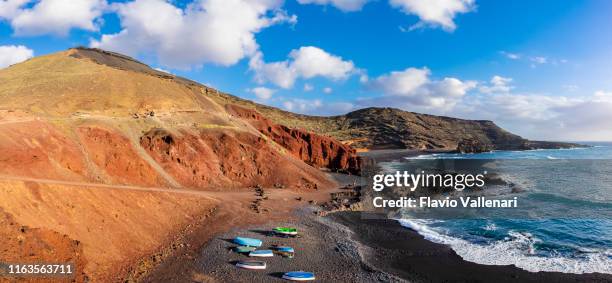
<point>390,128</point>
<point>92,115</point>
<point>103,160</point>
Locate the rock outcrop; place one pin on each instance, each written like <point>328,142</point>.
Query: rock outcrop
<point>316,150</point>
<point>473,146</point>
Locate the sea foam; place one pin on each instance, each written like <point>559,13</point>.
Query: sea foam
<point>516,249</point>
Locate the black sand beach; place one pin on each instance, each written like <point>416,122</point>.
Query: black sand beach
<point>324,247</point>
<point>346,247</point>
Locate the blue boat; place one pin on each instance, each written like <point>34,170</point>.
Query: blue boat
<point>249,242</point>
<point>261,253</point>
<point>299,276</point>
<point>285,249</point>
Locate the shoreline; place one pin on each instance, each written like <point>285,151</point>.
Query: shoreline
<point>450,259</point>
<point>343,246</point>
<point>403,252</point>
<point>386,155</point>
<point>351,247</point>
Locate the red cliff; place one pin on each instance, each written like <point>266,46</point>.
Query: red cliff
<point>317,150</point>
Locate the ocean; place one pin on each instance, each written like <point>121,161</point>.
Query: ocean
<point>563,222</point>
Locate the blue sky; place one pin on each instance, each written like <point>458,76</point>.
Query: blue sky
<point>538,68</point>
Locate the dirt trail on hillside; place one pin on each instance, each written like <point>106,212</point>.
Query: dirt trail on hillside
<point>84,185</point>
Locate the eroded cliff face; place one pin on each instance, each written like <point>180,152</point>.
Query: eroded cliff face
<point>316,150</point>
<point>220,159</point>
<point>116,158</point>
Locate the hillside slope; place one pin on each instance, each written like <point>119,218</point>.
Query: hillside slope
<point>390,128</point>
<point>105,163</point>
<point>92,115</point>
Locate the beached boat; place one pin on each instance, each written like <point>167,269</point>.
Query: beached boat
<point>286,231</point>
<point>244,249</point>
<point>249,242</point>
<point>285,249</point>
<point>286,254</point>
<point>299,276</point>
<point>261,253</point>
<point>251,264</point>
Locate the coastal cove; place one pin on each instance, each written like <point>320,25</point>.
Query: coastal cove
<point>332,141</point>
<point>355,246</point>
<point>369,247</point>
<point>563,222</point>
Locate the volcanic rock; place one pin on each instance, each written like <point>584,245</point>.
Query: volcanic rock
<point>314,149</point>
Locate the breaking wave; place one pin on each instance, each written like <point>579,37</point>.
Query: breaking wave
<point>517,249</point>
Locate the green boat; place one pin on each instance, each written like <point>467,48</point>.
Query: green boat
<point>244,249</point>
<point>286,231</point>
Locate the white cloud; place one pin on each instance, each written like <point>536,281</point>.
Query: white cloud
<point>206,31</point>
<point>52,16</point>
<point>10,8</point>
<point>570,87</point>
<point>263,93</point>
<point>509,55</point>
<point>163,70</point>
<point>435,13</point>
<point>402,82</point>
<point>539,60</point>
<point>13,54</point>
<point>413,87</point>
<point>311,61</point>
<point>316,106</point>
<point>344,5</point>
<point>308,87</point>
<point>547,117</point>
<point>600,94</point>
<point>328,90</point>
<point>302,105</point>
<point>306,62</point>
<point>498,84</point>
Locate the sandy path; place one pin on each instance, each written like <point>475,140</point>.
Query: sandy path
<point>85,185</point>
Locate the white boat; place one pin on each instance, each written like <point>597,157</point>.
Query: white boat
<point>261,253</point>
<point>251,264</point>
